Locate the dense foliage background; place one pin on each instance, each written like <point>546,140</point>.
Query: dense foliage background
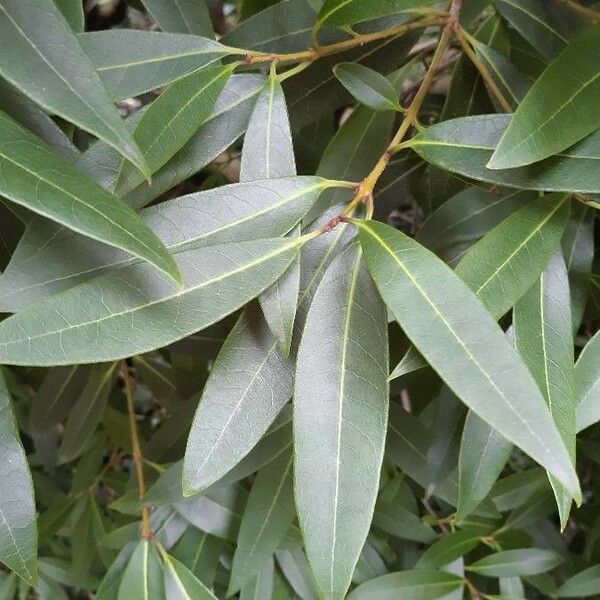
<point>222,225</point>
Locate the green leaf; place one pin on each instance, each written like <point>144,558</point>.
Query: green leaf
<point>582,585</point>
<point>269,153</point>
<point>133,311</point>
<point>516,563</point>
<point>559,110</point>
<point>547,26</point>
<point>142,579</point>
<point>236,212</point>
<point>483,455</point>
<point>262,585</point>
<point>543,334</point>
<point>181,16</point>
<point>505,263</point>
<point>347,12</point>
<point>587,377</point>
<point>87,412</point>
<point>267,517</point>
<point>18,530</point>
<point>234,413</point>
<point>200,552</point>
<point>431,304</point>
<point>367,86</point>
<point>73,13</point>
<point>35,41</point>
<point>448,548</point>
<point>464,146</point>
<point>33,176</point>
<point>420,584</point>
<point>181,583</point>
<point>132,62</point>
<point>172,119</point>
<point>340,414</point>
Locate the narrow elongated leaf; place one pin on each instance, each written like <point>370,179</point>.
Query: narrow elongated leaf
<point>73,13</point>
<point>448,549</point>
<point>33,176</point>
<point>262,585</point>
<point>132,312</point>
<point>582,585</point>
<point>483,454</point>
<point>464,146</point>
<point>587,384</point>
<point>367,86</point>
<point>225,214</point>
<point>503,265</point>
<point>34,41</point>
<point>181,16</point>
<point>234,412</point>
<point>142,578</point>
<point>431,304</point>
<point>88,411</point>
<point>268,515</point>
<point>420,584</point>
<point>18,531</point>
<point>516,563</point>
<point>172,119</point>
<point>269,153</point>
<point>132,62</point>
<point>182,584</point>
<point>340,416</point>
<point>543,334</point>
<point>559,110</point>
<point>547,26</point>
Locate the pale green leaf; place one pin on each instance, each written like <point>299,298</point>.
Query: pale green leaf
<point>41,56</point>
<point>181,16</point>
<point>18,530</point>
<point>582,585</point>
<point>134,311</point>
<point>516,563</point>
<point>340,414</point>
<point>587,380</point>
<point>431,305</point>
<point>182,584</point>
<point>142,578</point>
<point>32,175</point>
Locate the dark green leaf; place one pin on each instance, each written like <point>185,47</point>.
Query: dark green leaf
<point>142,578</point>
<point>182,584</point>
<point>587,377</point>
<point>516,563</point>
<point>582,585</point>
<point>181,16</point>
<point>367,86</point>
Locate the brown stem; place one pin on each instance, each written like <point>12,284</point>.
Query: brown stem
<point>485,74</point>
<point>313,54</point>
<point>138,459</point>
<point>590,13</point>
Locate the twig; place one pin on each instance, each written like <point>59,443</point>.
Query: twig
<point>138,459</point>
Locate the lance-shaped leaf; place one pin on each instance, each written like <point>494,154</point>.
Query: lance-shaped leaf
<point>544,339</point>
<point>340,418</point>
<point>419,584</point>
<point>32,175</point>
<point>269,513</point>
<point>503,265</point>
<point>73,13</point>
<point>483,454</point>
<point>181,16</point>
<point>262,585</point>
<point>181,583</point>
<point>248,386</point>
<point>133,311</point>
<point>143,576</point>
<point>547,26</point>
<point>34,41</point>
<point>264,378</point>
<point>465,145</point>
<point>18,531</point>
<point>368,86</point>
<point>587,384</point>
<point>582,585</point>
<point>516,563</point>
<point>462,342</point>
<point>132,62</point>
<point>172,119</point>
<point>269,153</point>
<point>87,412</point>
<point>229,213</point>
<point>449,548</point>
<point>560,109</point>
